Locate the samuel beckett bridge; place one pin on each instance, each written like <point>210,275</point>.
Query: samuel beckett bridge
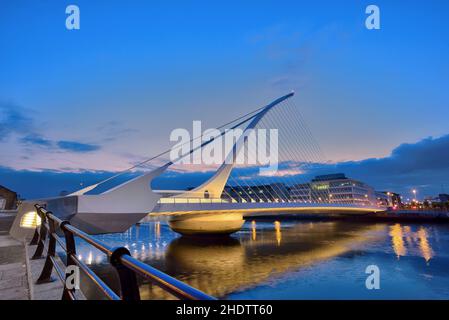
<point>233,191</point>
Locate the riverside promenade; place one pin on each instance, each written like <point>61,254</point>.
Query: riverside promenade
<point>13,266</point>
<point>18,272</point>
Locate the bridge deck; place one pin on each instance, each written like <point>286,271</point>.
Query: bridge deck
<point>261,207</point>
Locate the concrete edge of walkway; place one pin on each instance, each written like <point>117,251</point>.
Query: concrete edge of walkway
<point>28,269</point>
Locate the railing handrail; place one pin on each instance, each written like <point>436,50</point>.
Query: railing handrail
<point>126,265</point>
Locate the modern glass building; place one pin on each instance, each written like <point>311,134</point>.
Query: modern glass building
<point>334,188</point>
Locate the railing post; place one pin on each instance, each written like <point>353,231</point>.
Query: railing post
<point>48,266</point>
<point>35,237</point>
<point>128,281</point>
<point>71,250</point>
<point>36,231</point>
<point>42,235</point>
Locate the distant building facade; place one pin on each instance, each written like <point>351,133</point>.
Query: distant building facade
<point>334,188</point>
<point>394,199</point>
<point>383,199</point>
<point>8,199</point>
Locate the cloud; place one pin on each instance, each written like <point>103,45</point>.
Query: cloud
<point>36,140</point>
<point>423,165</point>
<point>13,119</point>
<point>74,146</point>
<point>64,145</point>
<point>429,154</point>
<point>47,183</point>
<point>114,130</point>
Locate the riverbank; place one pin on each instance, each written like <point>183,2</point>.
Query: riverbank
<point>409,216</point>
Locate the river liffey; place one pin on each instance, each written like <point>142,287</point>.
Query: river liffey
<point>290,259</point>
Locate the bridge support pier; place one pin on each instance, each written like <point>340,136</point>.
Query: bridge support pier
<point>206,223</point>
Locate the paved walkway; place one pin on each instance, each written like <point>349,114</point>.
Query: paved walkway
<point>18,275</point>
<point>13,270</point>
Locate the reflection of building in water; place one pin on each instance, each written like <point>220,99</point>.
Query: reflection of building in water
<point>424,245</point>
<point>397,239</point>
<point>416,242</point>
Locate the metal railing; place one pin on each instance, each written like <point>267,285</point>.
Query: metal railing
<point>119,257</point>
<point>176,200</point>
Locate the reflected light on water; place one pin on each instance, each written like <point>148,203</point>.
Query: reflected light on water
<point>416,242</point>
<point>424,246</point>
<point>157,230</point>
<point>277,227</point>
<point>397,240</point>
<point>262,253</point>
<point>253,230</point>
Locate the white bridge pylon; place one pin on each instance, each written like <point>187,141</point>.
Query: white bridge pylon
<point>215,185</point>
<point>122,206</point>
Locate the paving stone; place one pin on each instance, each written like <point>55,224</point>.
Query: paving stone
<point>8,241</point>
<point>51,294</point>
<point>10,266</point>
<point>15,282</point>
<point>19,293</point>
<point>13,277</point>
<point>14,272</point>
<point>12,254</point>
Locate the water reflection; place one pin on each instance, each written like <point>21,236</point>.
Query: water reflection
<point>424,246</point>
<point>261,253</point>
<point>277,228</point>
<point>397,238</point>
<point>416,241</point>
<point>253,230</point>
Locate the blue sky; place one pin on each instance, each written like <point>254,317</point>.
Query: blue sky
<point>109,94</point>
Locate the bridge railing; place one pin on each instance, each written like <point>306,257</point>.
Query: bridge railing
<point>46,238</point>
<point>176,200</point>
